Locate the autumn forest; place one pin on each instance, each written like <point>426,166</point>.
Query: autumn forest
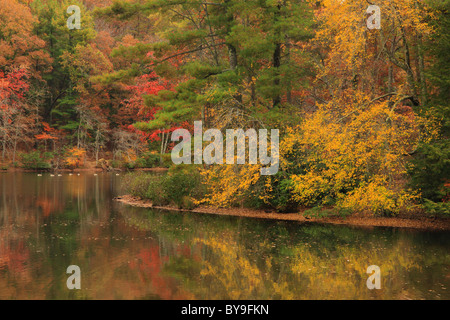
<point>360,97</point>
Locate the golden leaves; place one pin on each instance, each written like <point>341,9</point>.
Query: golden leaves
<point>353,153</point>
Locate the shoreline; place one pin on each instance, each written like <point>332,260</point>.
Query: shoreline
<point>418,222</point>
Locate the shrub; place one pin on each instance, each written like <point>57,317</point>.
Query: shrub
<point>436,208</point>
<point>282,200</point>
<point>374,197</point>
<point>187,203</point>
<point>181,186</point>
<point>320,212</point>
<point>166,160</point>
<point>139,163</point>
<point>230,184</point>
<point>36,160</point>
<point>277,192</point>
<point>116,164</point>
<point>74,157</point>
<point>430,170</point>
<point>181,183</point>
<point>137,183</point>
<point>149,160</point>
<point>156,191</point>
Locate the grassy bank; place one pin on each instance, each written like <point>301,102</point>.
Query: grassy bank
<point>417,221</point>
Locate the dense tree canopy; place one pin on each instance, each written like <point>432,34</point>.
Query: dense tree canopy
<point>362,112</point>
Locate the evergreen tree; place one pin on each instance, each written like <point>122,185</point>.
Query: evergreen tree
<point>430,170</point>
<point>52,28</point>
<point>231,60</point>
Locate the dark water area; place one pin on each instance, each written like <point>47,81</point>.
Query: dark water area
<point>49,223</point>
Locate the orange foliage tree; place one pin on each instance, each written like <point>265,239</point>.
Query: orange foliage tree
<point>75,157</point>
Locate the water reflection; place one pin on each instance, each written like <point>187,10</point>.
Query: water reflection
<point>48,223</point>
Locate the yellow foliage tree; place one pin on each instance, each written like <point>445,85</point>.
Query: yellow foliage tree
<point>229,183</point>
<point>351,149</point>
<point>353,153</point>
<point>358,55</point>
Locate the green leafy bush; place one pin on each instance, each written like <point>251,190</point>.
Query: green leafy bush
<point>36,160</point>
<point>166,160</point>
<point>275,190</point>
<point>430,170</point>
<point>136,184</point>
<point>180,186</point>
<point>156,192</point>
<point>321,212</point>
<point>282,196</point>
<point>437,208</point>
<point>150,160</point>
<point>181,183</point>
<point>116,164</point>
<point>147,160</point>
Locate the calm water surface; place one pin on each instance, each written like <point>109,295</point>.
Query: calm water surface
<point>48,223</point>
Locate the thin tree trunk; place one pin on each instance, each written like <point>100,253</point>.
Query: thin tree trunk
<point>276,82</point>
<point>390,78</point>
<point>421,70</point>
<point>289,84</point>
<point>162,145</point>
<point>276,62</point>
<point>15,143</point>
<point>96,144</point>
<point>4,135</point>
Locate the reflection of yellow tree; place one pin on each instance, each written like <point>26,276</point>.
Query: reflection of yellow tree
<point>326,263</point>
<point>231,272</point>
<point>233,275</point>
<point>341,273</point>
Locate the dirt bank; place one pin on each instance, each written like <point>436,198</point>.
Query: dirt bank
<point>412,221</point>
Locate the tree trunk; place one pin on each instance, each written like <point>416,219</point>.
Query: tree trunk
<point>5,121</point>
<point>276,63</point>
<point>97,144</point>
<point>276,82</point>
<point>289,84</point>
<point>390,78</point>
<point>15,143</point>
<point>421,70</point>
<point>232,56</point>
<point>162,145</point>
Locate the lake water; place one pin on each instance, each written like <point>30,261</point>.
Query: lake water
<point>49,223</point>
